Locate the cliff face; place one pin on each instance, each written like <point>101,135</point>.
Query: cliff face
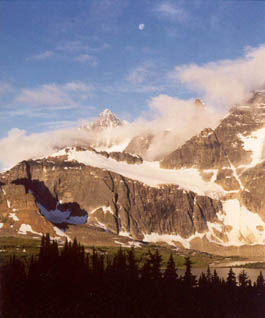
<point>106,199</point>
<point>233,153</point>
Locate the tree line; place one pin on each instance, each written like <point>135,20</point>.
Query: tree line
<point>73,283</point>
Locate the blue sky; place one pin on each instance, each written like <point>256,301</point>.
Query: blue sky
<point>62,62</point>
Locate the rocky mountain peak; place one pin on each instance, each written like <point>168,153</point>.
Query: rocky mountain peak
<point>199,103</point>
<point>106,119</point>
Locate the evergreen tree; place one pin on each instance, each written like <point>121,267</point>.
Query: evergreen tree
<point>216,281</point>
<point>170,274</point>
<point>243,279</point>
<point>260,281</point>
<point>203,282</point>
<point>132,265</point>
<point>156,260</point>
<point>189,279</point>
<point>231,279</point>
<point>208,275</point>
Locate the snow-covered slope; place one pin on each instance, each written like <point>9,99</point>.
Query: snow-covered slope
<point>148,172</point>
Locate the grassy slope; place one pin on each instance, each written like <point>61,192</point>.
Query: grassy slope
<point>26,247</point>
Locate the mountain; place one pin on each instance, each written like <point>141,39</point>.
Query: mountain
<point>103,132</point>
<point>208,194</point>
<point>105,120</point>
<point>145,144</point>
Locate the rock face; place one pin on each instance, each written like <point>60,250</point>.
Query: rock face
<point>19,213</point>
<point>232,156</point>
<point>111,201</point>
<point>139,145</point>
<point>232,149</point>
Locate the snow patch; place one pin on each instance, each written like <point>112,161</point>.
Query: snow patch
<point>57,216</point>
<point>61,233</point>
<point>13,216</point>
<point>254,143</point>
<point>104,208</point>
<point>24,228</point>
<point>1,225</point>
<point>124,233</point>
<point>238,224</point>
<point>8,203</point>
<point>167,238</point>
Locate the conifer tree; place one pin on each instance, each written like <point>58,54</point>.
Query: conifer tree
<point>243,279</point>
<point>231,279</point>
<point>208,275</point>
<point>132,265</point>
<point>155,261</point>
<point>216,281</point>
<point>260,281</point>
<point>189,279</point>
<point>170,274</point>
<point>203,282</point>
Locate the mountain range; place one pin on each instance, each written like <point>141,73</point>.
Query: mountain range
<point>208,194</point>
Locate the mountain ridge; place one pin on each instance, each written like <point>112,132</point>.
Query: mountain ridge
<point>207,194</point>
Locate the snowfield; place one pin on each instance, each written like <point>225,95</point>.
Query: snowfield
<point>149,173</point>
<point>57,216</point>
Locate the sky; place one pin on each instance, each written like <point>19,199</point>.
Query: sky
<point>64,61</point>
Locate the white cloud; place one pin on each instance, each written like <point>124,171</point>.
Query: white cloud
<point>86,58</point>
<point>170,120</point>
<point>4,88</point>
<point>170,9</point>
<point>46,95</point>
<point>225,82</point>
<point>42,56</point>
<point>18,146</point>
<point>78,87</point>
<point>55,96</point>
<point>80,46</point>
<point>139,75</point>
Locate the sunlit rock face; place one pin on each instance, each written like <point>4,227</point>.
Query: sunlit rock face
<point>68,190</point>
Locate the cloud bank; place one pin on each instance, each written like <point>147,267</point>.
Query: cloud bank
<point>227,82</point>
<point>170,120</point>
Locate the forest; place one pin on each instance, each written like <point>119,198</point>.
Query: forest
<point>69,282</point>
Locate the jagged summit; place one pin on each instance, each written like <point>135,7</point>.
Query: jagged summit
<point>105,120</point>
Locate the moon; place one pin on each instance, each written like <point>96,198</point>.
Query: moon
<point>141,26</point>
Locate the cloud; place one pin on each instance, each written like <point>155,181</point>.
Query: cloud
<point>18,146</point>
<point>46,95</point>
<point>170,120</point>
<point>55,96</point>
<point>226,82</point>
<point>139,75</point>
<point>170,10</point>
<point>4,88</point>
<point>86,58</point>
<point>146,77</point>
<point>80,46</point>
<point>42,56</point>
